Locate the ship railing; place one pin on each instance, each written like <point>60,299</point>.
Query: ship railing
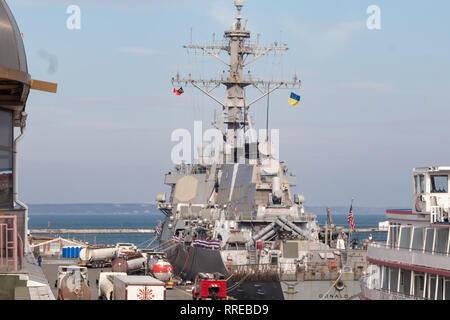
<point>282,271</point>
<point>397,247</point>
<point>438,214</point>
<point>383,294</point>
<point>254,272</point>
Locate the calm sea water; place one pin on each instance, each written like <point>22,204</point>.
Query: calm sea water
<point>150,221</point>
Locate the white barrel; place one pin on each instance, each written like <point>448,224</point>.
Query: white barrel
<point>276,188</point>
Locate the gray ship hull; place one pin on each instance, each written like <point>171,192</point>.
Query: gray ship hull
<point>189,261</point>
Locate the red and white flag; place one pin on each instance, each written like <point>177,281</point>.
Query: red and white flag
<point>350,217</point>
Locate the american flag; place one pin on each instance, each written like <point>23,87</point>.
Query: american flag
<point>350,217</point>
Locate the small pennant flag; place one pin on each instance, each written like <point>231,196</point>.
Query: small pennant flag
<point>158,229</point>
<point>178,92</point>
<point>294,99</point>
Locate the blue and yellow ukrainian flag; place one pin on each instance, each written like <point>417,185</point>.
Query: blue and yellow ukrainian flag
<point>294,99</point>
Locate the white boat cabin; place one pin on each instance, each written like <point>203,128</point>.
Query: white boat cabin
<point>431,193</point>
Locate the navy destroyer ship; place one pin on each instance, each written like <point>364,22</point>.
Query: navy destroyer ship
<point>414,263</point>
<point>233,211</point>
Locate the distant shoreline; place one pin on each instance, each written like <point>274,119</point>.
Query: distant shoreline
<point>139,209</point>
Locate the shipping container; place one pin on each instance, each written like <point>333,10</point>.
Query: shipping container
<point>138,288</point>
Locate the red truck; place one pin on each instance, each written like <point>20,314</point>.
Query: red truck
<point>209,286</point>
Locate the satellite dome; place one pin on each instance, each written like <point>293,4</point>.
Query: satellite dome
<point>13,61</point>
<point>14,77</point>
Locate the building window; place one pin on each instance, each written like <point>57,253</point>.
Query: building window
<point>439,184</point>
<point>6,159</point>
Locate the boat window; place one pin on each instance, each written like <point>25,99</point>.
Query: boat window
<point>393,279</point>
<point>441,240</point>
<point>440,291</point>
<point>405,282</point>
<point>393,235</point>
<point>439,184</point>
<point>422,183</point>
<point>429,240</point>
<point>431,287</point>
<point>417,243</point>
<point>416,184</point>
<point>405,237</point>
<point>385,271</point>
<point>447,289</point>
<point>419,284</point>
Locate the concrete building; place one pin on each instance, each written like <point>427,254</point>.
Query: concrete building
<point>20,278</point>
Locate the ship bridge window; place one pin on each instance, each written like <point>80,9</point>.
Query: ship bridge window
<point>439,184</point>
<point>419,183</point>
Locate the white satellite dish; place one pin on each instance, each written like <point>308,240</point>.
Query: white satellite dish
<point>270,166</point>
<point>266,148</point>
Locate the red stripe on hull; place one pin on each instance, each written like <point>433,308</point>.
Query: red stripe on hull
<point>445,273</point>
<point>408,212</point>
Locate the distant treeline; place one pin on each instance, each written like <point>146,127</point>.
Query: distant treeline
<point>141,208</point>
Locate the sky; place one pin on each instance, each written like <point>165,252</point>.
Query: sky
<point>374,103</point>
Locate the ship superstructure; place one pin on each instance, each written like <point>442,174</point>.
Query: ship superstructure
<point>233,211</point>
<point>414,263</point>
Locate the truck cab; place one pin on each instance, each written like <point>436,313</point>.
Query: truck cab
<point>209,286</point>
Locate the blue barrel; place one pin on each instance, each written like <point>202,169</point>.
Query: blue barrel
<point>64,252</point>
<point>77,252</point>
<point>72,252</point>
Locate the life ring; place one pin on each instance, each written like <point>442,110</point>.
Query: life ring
<point>419,207</point>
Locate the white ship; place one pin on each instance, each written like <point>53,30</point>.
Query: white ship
<point>414,263</point>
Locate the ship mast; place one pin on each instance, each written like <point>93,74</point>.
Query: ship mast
<point>235,110</point>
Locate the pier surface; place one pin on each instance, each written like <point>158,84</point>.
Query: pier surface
<point>88,231</point>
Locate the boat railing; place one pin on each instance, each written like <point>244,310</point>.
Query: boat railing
<point>396,247</point>
<point>439,214</point>
<point>382,294</point>
<point>284,271</point>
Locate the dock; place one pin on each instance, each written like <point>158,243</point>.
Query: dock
<point>90,231</point>
<point>369,230</point>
